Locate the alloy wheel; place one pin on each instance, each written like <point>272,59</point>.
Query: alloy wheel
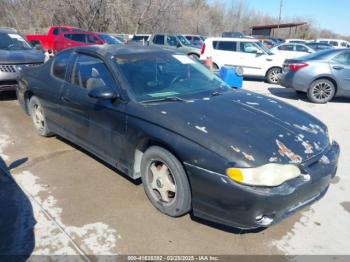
<point>322,91</point>
<point>275,75</point>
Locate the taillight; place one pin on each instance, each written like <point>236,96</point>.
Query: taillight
<point>297,66</point>
<point>203,49</point>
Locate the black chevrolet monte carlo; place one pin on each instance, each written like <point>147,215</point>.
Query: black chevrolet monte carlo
<point>229,156</point>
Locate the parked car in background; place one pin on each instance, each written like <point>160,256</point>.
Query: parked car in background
<point>336,43</point>
<point>319,46</point>
<point>233,34</point>
<point>186,42</point>
<point>47,41</point>
<point>141,38</point>
<point>322,75</point>
<point>195,39</point>
<point>173,42</point>
<point>296,41</point>
<point>292,50</point>
<point>268,43</point>
<point>197,145</point>
<point>249,54</point>
<point>15,52</point>
<point>125,38</point>
<point>72,39</point>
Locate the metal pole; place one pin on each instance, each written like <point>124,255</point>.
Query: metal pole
<point>280,15</point>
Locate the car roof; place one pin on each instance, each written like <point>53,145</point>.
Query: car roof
<point>115,50</point>
<point>7,30</point>
<point>232,39</point>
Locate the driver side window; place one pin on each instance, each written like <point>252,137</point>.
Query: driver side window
<point>248,47</point>
<point>90,72</point>
<point>171,40</point>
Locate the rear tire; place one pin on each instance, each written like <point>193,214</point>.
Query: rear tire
<point>273,75</point>
<point>321,91</point>
<point>38,117</point>
<point>165,182</point>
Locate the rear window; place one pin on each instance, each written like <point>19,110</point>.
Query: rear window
<point>319,55</point>
<point>76,37</point>
<point>225,45</point>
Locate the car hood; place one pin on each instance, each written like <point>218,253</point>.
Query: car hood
<point>21,56</point>
<point>243,127</point>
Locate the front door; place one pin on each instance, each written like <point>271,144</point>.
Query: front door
<point>252,61</point>
<point>98,124</point>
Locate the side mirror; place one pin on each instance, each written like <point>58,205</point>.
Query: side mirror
<point>259,52</point>
<point>99,42</point>
<point>178,44</point>
<point>103,93</point>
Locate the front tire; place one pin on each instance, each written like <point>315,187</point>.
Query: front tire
<point>165,182</point>
<point>38,117</point>
<point>321,91</point>
<point>273,75</point>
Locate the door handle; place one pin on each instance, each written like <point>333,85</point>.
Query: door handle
<point>65,99</point>
<point>338,67</point>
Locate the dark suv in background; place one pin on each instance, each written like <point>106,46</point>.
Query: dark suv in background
<point>15,51</point>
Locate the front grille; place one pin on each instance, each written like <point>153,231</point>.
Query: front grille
<point>8,68</point>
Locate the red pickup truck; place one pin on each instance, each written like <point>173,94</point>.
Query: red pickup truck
<point>72,39</point>
<point>47,41</point>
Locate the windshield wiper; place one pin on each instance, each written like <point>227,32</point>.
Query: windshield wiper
<point>165,99</point>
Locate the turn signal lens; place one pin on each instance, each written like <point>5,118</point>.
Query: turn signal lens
<point>269,175</point>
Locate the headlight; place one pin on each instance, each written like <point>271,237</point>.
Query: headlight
<point>269,175</point>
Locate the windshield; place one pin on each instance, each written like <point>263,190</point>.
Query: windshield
<point>266,50</point>
<point>110,39</point>
<point>13,41</point>
<point>184,40</point>
<point>158,76</point>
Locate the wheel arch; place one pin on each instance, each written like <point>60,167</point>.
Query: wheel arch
<point>27,96</point>
<point>141,148</point>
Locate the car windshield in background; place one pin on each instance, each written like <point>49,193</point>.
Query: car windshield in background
<point>110,39</point>
<point>13,41</point>
<point>156,77</point>
<point>184,40</point>
<point>266,50</point>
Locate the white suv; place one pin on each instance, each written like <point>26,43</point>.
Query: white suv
<point>249,54</point>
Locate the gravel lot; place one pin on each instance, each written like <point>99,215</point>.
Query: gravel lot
<point>81,206</point>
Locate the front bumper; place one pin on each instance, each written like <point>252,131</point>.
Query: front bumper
<point>217,198</point>
<point>8,78</point>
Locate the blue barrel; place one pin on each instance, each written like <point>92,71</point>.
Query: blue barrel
<point>232,76</point>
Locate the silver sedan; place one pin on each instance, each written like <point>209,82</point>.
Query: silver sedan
<point>322,75</point>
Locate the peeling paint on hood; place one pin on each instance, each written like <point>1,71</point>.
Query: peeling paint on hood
<point>230,121</point>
